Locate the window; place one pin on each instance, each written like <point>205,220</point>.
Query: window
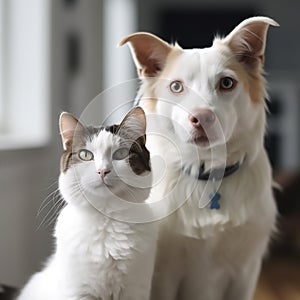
<point>24,73</point>
<point>120,19</point>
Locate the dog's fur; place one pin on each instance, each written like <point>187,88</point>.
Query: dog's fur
<point>205,253</point>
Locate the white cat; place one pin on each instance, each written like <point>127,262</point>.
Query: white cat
<point>96,256</point>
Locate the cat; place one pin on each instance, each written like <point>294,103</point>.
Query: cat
<point>97,256</point>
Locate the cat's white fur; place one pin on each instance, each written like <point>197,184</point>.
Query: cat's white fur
<point>96,257</point>
<point>204,253</point>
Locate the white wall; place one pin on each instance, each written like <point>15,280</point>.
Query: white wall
<point>24,178</point>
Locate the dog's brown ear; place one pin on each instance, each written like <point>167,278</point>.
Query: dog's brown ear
<point>248,40</point>
<point>149,52</point>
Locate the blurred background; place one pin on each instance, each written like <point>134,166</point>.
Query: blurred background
<point>58,55</point>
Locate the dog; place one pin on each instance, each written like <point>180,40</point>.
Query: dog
<point>211,116</point>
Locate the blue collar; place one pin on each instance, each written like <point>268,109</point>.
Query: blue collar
<point>216,174</point>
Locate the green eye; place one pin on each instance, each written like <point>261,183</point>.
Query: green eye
<point>85,155</point>
<point>120,154</point>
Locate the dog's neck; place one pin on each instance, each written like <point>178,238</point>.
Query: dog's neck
<point>215,174</point>
<point>213,170</point>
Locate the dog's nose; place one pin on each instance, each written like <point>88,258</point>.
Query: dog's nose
<point>202,118</point>
<point>103,172</point>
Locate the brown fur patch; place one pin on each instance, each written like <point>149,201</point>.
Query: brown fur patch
<point>65,161</point>
<point>69,157</point>
<point>149,101</point>
<point>150,52</point>
<point>77,142</point>
<point>170,63</point>
<point>149,104</point>
<point>254,82</point>
<point>139,156</point>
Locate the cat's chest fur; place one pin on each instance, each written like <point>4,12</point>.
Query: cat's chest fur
<point>98,249</point>
<point>94,234</point>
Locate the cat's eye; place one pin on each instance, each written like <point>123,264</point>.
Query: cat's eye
<point>227,84</point>
<point>120,154</point>
<point>85,155</point>
<point>176,86</point>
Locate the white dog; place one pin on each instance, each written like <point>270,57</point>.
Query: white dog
<point>212,103</point>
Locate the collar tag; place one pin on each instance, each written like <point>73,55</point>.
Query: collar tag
<point>215,176</point>
<point>214,200</point>
<point>214,197</point>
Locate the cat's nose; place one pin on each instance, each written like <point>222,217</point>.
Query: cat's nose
<point>103,172</point>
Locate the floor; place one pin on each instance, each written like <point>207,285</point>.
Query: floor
<point>280,280</point>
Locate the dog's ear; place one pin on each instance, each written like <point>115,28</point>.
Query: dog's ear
<point>149,52</point>
<point>248,40</point>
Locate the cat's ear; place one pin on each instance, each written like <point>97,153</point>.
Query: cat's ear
<point>68,126</point>
<point>133,125</point>
<point>248,40</point>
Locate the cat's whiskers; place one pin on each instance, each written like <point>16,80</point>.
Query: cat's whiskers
<point>52,205</point>
<point>49,215</point>
<point>59,204</point>
<point>126,188</point>
<point>51,185</point>
<point>76,190</point>
<point>50,198</point>
<point>55,214</point>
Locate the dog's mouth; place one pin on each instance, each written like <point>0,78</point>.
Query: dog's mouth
<point>201,138</point>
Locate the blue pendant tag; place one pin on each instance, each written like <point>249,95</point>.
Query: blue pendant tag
<point>214,201</point>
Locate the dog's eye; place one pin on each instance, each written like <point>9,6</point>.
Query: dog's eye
<point>176,86</point>
<point>226,83</point>
<point>85,155</point>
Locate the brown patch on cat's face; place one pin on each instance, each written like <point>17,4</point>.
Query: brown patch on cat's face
<point>70,156</point>
<point>131,131</point>
<point>78,142</point>
<point>139,156</point>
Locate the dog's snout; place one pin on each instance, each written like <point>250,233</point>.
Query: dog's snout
<point>202,118</point>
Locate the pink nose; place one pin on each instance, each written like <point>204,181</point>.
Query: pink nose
<point>204,118</point>
<point>103,172</point>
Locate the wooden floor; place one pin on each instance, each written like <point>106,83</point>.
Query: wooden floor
<point>280,280</point>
